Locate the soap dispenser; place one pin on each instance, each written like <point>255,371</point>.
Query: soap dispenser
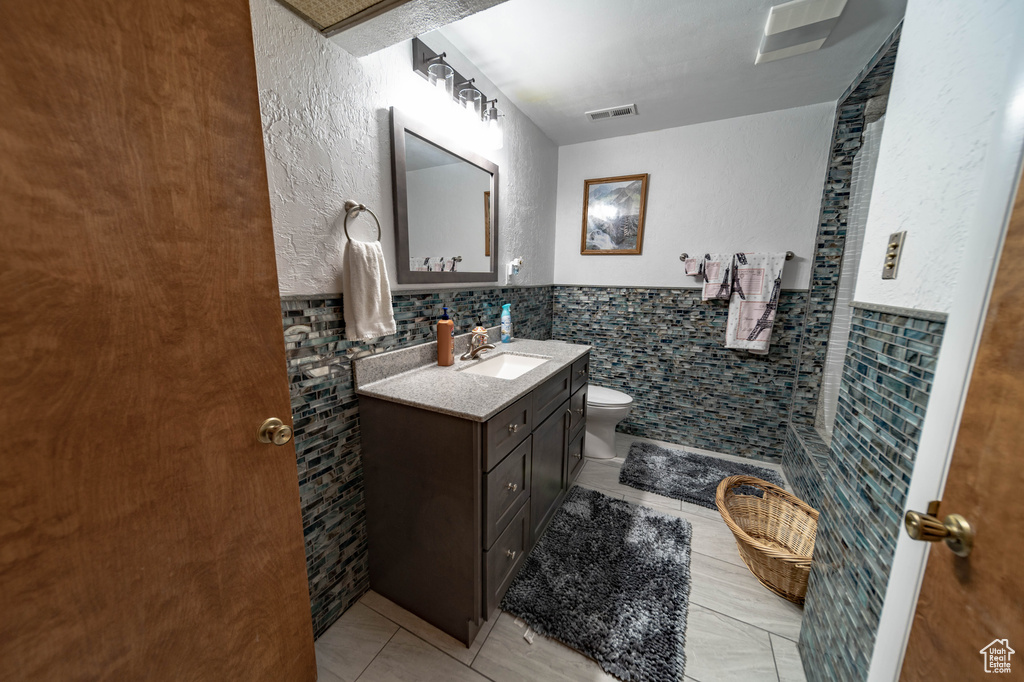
<point>445,340</point>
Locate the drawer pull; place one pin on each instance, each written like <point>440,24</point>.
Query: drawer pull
<point>513,486</point>
<point>511,554</point>
<point>577,455</point>
<point>581,372</point>
<point>512,428</point>
<point>579,411</point>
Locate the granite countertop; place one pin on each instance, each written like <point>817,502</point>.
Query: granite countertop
<point>450,391</point>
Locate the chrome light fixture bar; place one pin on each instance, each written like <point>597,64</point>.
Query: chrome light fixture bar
<point>423,57</point>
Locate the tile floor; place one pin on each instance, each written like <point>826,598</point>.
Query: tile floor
<point>736,629</point>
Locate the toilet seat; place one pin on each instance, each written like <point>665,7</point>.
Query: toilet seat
<point>600,396</point>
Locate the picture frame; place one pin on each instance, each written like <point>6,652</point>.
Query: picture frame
<point>613,215</point>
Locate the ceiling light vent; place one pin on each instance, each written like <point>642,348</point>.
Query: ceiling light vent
<point>796,27</point>
<point>612,112</point>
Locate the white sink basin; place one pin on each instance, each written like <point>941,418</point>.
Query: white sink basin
<point>506,366</point>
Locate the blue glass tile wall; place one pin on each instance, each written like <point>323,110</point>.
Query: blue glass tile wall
<point>887,379</point>
<point>325,413</point>
<point>665,348</point>
<point>831,237</point>
<point>804,459</point>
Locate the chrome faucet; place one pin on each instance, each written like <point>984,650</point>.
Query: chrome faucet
<point>477,344</point>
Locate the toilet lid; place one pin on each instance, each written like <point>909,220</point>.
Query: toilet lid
<point>606,397</point>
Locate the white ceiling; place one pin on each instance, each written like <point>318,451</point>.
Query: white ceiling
<point>680,61</point>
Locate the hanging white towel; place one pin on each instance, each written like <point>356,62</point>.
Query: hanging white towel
<point>716,269</point>
<point>691,266</point>
<point>756,285</point>
<point>367,302</point>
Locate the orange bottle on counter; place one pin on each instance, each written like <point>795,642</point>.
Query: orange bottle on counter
<point>445,340</point>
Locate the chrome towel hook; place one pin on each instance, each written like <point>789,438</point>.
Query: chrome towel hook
<point>352,208</point>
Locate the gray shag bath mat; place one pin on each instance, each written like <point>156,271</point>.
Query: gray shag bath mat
<point>610,579</point>
<point>683,475</point>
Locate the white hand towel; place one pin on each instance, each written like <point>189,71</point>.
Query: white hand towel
<point>717,271</point>
<point>691,266</point>
<point>367,301</point>
<point>757,284</point>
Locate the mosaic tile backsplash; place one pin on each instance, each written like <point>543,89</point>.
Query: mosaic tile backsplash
<point>887,379</point>
<point>665,348</point>
<point>831,237</point>
<point>325,413</point>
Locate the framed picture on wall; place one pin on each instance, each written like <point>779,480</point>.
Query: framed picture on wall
<point>613,215</point>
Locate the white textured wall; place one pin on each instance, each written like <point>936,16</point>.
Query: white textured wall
<point>327,139</point>
<point>948,168</point>
<point>946,93</point>
<point>743,184</point>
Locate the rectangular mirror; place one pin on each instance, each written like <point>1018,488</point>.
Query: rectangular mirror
<point>446,208</point>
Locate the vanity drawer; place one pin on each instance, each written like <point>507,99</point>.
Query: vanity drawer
<point>577,410</point>
<point>551,394</point>
<point>574,457</point>
<point>503,560</point>
<point>580,372</point>
<point>507,429</point>
<point>506,488</point>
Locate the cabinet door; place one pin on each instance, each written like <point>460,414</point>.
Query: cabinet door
<point>549,472</point>
<point>574,457</point>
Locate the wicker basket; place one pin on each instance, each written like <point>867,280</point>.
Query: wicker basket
<point>774,533</point>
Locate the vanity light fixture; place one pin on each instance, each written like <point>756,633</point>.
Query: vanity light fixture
<point>472,100</point>
<point>494,136</point>
<point>480,114</point>
<point>441,76</point>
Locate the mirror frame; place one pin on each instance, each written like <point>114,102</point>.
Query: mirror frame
<point>400,125</point>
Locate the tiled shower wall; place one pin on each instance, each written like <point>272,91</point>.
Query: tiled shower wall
<point>887,379</point>
<point>325,413</point>
<point>665,348</point>
<point>831,237</point>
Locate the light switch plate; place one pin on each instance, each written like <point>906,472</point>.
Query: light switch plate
<point>893,251</point>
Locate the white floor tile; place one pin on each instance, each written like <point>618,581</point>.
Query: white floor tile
<point>425,630</point>
<point>348,646</point>
<point>719,648</point>
<point>407,658</point>
<point>506,656</point>
<point>787,660</point>
<point>734,591</point>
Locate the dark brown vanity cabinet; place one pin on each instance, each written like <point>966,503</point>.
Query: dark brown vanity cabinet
<point>453,506</point>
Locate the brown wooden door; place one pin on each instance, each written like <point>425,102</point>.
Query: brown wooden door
<point>967,603</point>
<point>144,533</point>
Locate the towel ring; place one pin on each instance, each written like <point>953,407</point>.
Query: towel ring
<point>352,207</point>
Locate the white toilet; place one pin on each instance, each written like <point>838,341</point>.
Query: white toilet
<point>606,407</point>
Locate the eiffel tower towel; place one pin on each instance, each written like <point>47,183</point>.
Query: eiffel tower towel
<point>756,285</point>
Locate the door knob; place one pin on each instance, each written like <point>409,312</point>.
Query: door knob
<point>274,431</point>
<point>955,529</point>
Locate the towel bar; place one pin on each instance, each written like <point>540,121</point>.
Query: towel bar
<point>789,255</point>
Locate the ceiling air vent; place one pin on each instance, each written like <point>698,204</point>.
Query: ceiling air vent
<point>612,112</point>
